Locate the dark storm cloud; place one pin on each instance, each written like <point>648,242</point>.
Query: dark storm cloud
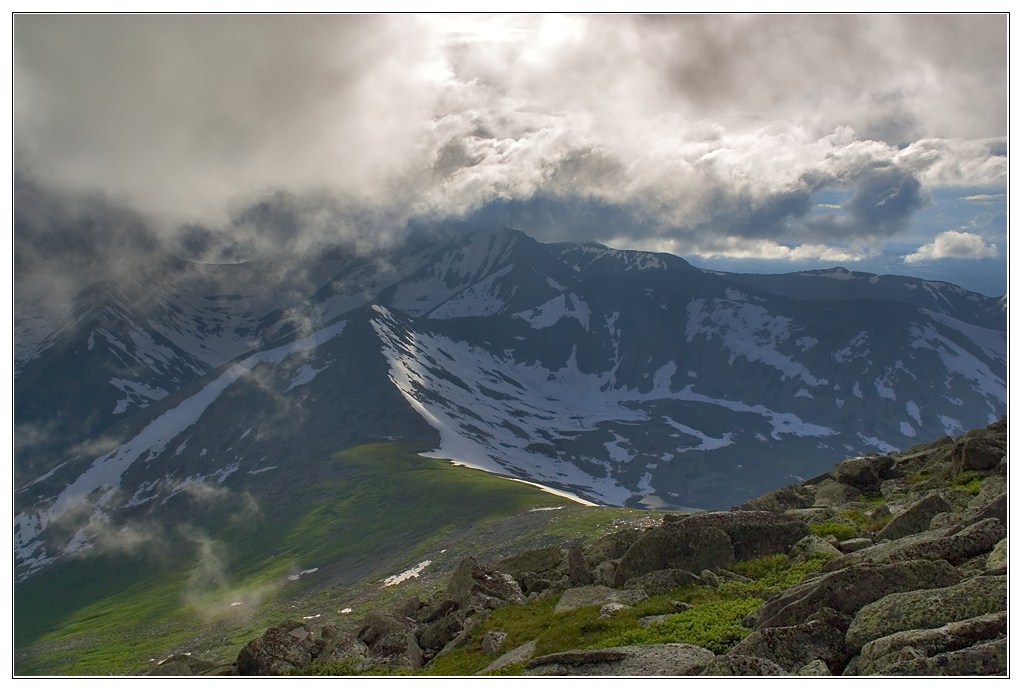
<point>883,204</point>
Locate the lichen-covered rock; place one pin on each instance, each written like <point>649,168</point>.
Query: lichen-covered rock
<point>473,586</point>
<point>583,596</point>
<point>880,656</point>
<point>434,635</point>
<point>791,497</point>
<point>280,649</point>
<point>578,569</point>
<point>977,453</point>
<point>736,665</point>
<point>708,541</point>
<point>927,608</point>
<point>983,658</point>
<point>536,562</point>
<point>915,518</point>
<point>520,654</point>
<point>998,561</point>
<point>974,539</point>
<point>866,473</point>
<point>640,660</point>
<point>492,641</point>
<point>816,668</point>
<point>830,492</point>
<point>609,610</point>
<point>848,590</point>
<point>812,546</point>
<point>611,547</point>
<point>821,636</point>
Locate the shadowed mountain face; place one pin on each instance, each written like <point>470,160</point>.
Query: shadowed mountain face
<point>619,377</point>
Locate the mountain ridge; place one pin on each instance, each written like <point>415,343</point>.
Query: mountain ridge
<point>618,376</point>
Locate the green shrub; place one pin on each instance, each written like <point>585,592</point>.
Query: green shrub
<point>715,625</point>
<point>840,531</point>
<point>770,576</point>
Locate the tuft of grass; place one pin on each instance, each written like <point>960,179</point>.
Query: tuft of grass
<point>864,522</point>
<point>841,531</point>
<point>968,481</point>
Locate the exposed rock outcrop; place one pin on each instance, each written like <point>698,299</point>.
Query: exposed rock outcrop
<point>909,577</point>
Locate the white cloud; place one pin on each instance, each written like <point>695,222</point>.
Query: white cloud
<point>190,117</point>
<point>953,244</point>
<point>761,249</point>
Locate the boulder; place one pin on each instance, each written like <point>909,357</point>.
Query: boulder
<point>791,497</point>
<point>662,581</point>
<point>611,547</point>
<point>816,668</point>
<point>976,453</point>
<point>434,635</point>
<point>708,541</point>
<point>866,473</point>
<point>280,649</point>
<point>736,665</point>
<point>578,569</point>
<point>474,587</point>
<point>537,562</point>
<point>341,646</point>
<point>639,660</point>
<point>927,608</point>
<point>848,590</point>
<point>812,546</point>
<point>583,596</point>
<point>392,639</point>
<point>915,518</point>
<point>609,610</point>
<point>983,658</point>
<point>974,539</point>
<point>822,636</point>
<point>830,492</point>
<point>881,656</point>
<point>998,561</point>
<point>492,641</point>
<point>520,654</point>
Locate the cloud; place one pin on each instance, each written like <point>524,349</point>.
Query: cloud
<point>694,122</point>
<point>953,245</point>
<point>732,247</point>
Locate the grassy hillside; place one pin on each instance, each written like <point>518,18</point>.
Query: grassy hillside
<point>211,583</point>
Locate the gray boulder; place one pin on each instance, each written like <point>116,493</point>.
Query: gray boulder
<point>866,473</point>
<point>971,541</point>
<point>578,569</point>
<point>709,541</point>
<point>848,590</point>
<point>791,497</point>
<point>822,636</point>
<point>583,596</point>
<point>915,518</point>
<point>474,587</point>
<point>520,654</point>
<point>736,665</point>
<point>881,656</point>
<point>652,659</point>
<point>280,649</point>
<point>927,608</point>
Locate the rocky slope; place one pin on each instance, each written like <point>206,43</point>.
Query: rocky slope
<point>887,565</point>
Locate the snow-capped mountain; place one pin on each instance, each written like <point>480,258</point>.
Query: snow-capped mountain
<point>617,377</point>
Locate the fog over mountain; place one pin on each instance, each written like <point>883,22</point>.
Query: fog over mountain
<point>647,260</point>
<point>615,377</point>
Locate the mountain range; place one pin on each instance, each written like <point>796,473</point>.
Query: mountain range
<point>614,377</point>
